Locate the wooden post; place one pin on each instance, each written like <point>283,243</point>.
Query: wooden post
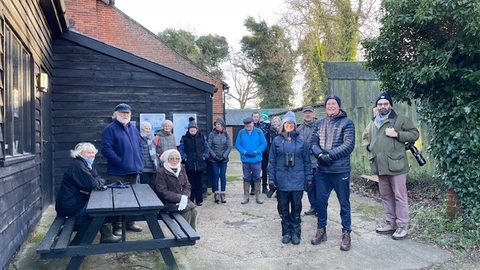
<point>453,204</point>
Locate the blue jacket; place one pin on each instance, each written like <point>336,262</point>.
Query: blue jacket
<point>335,136</point>
<point>290,178</point>
<point>253,142</point>
<point>122,148</point>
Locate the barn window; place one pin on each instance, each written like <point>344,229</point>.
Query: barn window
<point>16,117</point>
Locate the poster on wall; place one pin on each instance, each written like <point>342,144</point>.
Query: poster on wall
<point>180,124</point>
<point>155,119</point>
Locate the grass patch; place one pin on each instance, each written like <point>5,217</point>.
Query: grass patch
<point>368,211</point>
<point>37,238</point>
<point>432,223</point>
<point>232,178</point>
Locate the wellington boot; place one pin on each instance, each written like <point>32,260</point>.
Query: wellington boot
<point>222,197</point>
<point>257,193</point>
<point>216,197</point>
<point>107,236</point>
<point>246,187</point>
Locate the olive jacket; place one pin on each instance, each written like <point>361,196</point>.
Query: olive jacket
<point>388,155</point>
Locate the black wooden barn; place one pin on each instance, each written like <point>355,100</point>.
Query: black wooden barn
<point>41,120</point>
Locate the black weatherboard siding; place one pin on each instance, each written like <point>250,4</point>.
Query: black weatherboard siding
<point>91,78</point>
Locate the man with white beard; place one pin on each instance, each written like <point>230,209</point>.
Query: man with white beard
<point>122,148</point>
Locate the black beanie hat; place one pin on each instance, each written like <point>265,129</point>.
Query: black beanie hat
<point>386,96</point>
<point>333,96</point>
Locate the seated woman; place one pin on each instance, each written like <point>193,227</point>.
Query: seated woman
<point>77,183</point>
<point>173,188</point>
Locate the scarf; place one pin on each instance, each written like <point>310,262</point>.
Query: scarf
<point>173,169</point>
<point>380,119</point>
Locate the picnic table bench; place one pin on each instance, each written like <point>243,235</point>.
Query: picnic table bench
<point>136,203</point>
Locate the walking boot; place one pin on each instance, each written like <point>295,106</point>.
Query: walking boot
<point>320,236</point>
<point>296,239</point>
<point>134,228</point>
<point>222,197</point>
<point>286,233</point>
<point>246,188</point>
<point>286,238</point>
<point>310,212</point>
<point>216,197</point>
<point>257,193</point>
<point>117,228</point>
<point>346,241</point>
<point>400,233</point>
<point>296,232</point>
<point>388,228</point>
<point>107,236</point>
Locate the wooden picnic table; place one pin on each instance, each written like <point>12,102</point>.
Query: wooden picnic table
<point>137,202</point>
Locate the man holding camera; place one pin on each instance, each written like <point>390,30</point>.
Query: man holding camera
<point>385,138</point>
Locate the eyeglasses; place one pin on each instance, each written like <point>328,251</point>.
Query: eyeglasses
<point>383,104</point>
<point>174,158</point>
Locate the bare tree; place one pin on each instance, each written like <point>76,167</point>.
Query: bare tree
<point>244,91</point>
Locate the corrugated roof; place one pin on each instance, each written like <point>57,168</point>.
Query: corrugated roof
<point>234,117</point>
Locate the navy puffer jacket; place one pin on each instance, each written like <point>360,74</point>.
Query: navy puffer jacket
<point>335,136</point>
<point>289,178</point>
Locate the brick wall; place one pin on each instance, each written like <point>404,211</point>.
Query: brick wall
<point>108,24</point>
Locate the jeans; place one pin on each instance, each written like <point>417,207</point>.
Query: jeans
<point>264,169</point>
<point>312,194</point>
<point>219,171</point>
<point>195,179</point>
<point>340,182</point>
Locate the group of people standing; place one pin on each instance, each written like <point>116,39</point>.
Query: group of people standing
<point>315,157</point>
<point>289,159</point>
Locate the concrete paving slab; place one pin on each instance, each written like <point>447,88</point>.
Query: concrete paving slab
<point>236,236</point>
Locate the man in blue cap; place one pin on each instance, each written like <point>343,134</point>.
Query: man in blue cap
<point>122,148</point>
<point>251,143</point>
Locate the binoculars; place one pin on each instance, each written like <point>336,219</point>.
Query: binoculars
<point>289,160</point>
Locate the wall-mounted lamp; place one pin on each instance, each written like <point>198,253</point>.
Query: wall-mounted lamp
<point>42,82</point>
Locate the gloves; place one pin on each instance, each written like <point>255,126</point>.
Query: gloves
<point>272,186</point>
<point>183,203</point>
<point>250,154</point>
<point>220,159</point>
<point>255,153</point>
<point>308,186</point>
<point>325,160</point>
<point>216,158</point>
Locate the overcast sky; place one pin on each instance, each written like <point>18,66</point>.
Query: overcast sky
<point>202,17</point>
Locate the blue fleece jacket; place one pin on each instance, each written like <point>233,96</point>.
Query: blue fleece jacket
<point>122,148</point>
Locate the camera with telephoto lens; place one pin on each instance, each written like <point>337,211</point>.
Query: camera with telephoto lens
<point>289,160</point>
<point>410,146</point>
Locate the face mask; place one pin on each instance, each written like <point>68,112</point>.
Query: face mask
<point>89,162</point>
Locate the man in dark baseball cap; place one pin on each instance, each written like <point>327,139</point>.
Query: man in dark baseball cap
<point>248,120</point>
<point>123,107</point>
